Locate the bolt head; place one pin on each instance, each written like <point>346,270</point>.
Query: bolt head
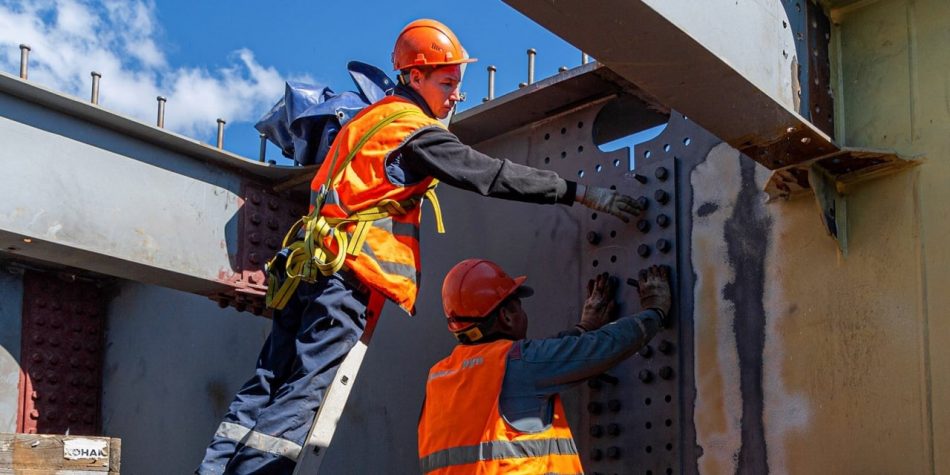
<point>643,225</point>
<point>665,347</point>
<point>666,372</point>
<point>661,173</point>
<point>663,220</point>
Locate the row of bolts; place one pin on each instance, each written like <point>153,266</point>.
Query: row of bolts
<point>160,122</point>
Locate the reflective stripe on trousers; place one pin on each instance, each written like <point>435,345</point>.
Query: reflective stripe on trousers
<point>256,440</point>
<point>496,450</point>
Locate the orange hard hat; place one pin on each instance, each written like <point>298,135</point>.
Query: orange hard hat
<point>473,288</point>
<point>427,43</point>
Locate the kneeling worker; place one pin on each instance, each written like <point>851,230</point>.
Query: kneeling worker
<point>493,405</point>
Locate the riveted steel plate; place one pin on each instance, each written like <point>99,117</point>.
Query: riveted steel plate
<point>61,356</point>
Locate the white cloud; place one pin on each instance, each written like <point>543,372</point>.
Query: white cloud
<point>120,40</point>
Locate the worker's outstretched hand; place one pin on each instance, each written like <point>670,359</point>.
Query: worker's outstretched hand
<point>610,202</point>
<point>600,306</point>
<point>654,289</point>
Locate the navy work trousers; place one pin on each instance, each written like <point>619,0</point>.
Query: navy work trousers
<point>265,426</point>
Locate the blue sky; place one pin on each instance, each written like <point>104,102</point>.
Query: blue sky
<point>230,58</point>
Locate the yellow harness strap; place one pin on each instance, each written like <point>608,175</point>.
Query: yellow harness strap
<point>310,257</point>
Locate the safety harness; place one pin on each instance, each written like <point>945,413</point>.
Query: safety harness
<point>311,257</point>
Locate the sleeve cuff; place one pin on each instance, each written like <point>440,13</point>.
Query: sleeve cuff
<point>568,197</point>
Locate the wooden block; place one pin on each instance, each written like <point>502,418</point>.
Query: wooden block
<point>31,454</point>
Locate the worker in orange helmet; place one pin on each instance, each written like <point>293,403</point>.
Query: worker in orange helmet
<point>360,242</point>
<point>493,405</point>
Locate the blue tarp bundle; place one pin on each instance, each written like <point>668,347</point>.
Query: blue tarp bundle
<point>305,122</point>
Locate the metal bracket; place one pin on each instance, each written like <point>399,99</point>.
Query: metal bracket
<point>832,205</point>
<point>829,177</point>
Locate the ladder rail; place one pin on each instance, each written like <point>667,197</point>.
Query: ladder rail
<point>334,402</point>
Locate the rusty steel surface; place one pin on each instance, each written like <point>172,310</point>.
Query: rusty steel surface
<point>751,112</point>
<point>264,219</point>
<point>848,167</point>
<point>61,356</point>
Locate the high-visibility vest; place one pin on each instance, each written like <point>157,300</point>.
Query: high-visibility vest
<point>385,257</point>
<point>461,430</point>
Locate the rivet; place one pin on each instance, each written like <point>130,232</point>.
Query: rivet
<point>666,372</point>
<point>256,198</point>
<point>665,347</point>
<point>272,243</point>
<point>594,384</point>
<point>645,375</point>
<point>646,351</point>
<point>643,225</point>
<point>595,407</point>
<point>643,202</point>
<point>273,205</point>
<point>661,196</point>
<point>663,220</point>
<point>254,238</point>
<point>643,250</point>
<point>273,224</point>
<point>593,237</point>
<point>613,452</point>
<point>255,218</point>
<point>596,430</point>
<point>595,454</point>
<point>253,258</point>
<point>614,429</point>
<point>661,173</point>
<point>663,245</point>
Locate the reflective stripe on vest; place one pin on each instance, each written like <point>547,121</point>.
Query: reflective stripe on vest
<point>462,431</point>
<point>388,261</point>
<point>258,440</point>
<point>499,449</point>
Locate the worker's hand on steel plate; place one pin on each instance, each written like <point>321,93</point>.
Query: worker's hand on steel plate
<point>654,289</point>
<point>610,202</point>
<point>600,306</point>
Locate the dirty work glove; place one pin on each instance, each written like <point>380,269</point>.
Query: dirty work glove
<point>600,306</point>
<point>609,201</point>
<point>654,288</point>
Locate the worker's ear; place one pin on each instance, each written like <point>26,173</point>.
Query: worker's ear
<point>415,78</point>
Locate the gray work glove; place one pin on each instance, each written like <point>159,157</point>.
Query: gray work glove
<point>600,306</point>
<point>610,202</point>
<point>654,289</point>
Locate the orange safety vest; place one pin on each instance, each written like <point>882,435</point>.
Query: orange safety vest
<point>388,260</point>
<point>461,430</point>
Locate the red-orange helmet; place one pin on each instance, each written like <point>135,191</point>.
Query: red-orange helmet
<point>473,288</point>
<point>427,43</point>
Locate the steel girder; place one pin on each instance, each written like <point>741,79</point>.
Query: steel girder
<point>83,187</point>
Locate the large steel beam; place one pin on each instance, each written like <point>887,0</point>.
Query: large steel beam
<point>729,66</point>
<point>83,187</point>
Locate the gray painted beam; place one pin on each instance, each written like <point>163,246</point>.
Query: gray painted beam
<point>87,188</point>
<point>695,57</point>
